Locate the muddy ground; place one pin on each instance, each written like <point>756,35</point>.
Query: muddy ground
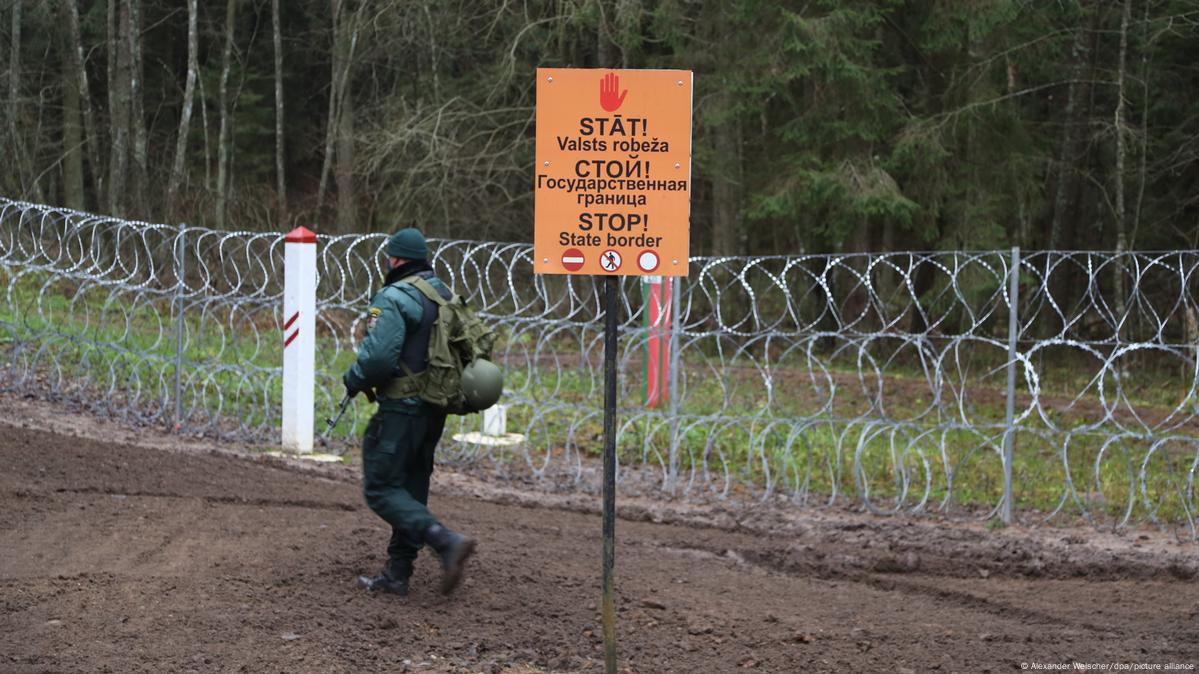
<point>140,553</point>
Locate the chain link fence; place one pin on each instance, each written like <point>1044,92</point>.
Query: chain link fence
<point>899,381</point>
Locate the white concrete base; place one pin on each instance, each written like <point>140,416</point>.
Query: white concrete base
<point>495,420</point>
<point>307,456</point>
<point>477,438</point>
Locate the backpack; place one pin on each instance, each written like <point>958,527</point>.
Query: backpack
<point>457,339</point>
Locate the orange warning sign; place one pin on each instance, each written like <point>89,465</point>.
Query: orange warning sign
<point>613,178</point>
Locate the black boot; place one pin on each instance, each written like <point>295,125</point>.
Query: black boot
<point>394,578</point>
<point>454,550</point>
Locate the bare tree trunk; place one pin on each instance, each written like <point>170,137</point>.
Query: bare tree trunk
<point>14,76</point>
<point>72,139</point>
<point>345,39</point>
<point>1070,140</point>
<point>604,54</point>
<point>1070,206</point>
<point>119,75</point>
<point>110,46</point>
<point>110,77</point>
<point>222,187</point>
<point>137,111</point>
<point>1023,224</point>
<point>628,27</point>
<point>207,138</point>
<point>25,178</point>
<point>726,237</point>
<point>888,278</point>
<point>189,97</point>
<point>334,95</point>
<point>434,67</point>
<point>281,187</point>
<point>1144,158</point>
<point>1121,233</point>
<point>91,138</point>
<point>347,205</point>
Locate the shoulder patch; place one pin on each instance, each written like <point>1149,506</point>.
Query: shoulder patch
<point>373,317</point>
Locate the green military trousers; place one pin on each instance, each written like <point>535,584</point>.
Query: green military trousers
<point>397,462</point>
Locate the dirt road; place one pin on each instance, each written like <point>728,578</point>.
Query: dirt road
<point>123,558</point>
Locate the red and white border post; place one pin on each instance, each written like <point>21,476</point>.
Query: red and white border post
<point>299,339</point>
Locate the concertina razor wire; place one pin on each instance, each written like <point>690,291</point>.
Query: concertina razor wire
<point>876,378</point>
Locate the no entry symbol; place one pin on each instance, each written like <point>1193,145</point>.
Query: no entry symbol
<point>610,260</point>
<point>572,259</point>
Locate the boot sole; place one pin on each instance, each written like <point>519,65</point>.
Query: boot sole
<point>456,566</point>
<point>367,583</point>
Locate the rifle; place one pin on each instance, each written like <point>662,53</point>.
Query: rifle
<point>331,422</point>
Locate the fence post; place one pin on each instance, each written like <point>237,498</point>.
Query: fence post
<point>180,287</point>
<point>675,328</point>
<point>1009,434</point>
<point>299,339</point>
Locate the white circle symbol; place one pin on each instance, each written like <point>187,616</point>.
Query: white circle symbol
<point>648,261</point>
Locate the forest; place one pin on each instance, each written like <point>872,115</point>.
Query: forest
<point>819,125</point>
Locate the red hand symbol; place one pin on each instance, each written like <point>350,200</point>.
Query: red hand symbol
<point>609,85</point>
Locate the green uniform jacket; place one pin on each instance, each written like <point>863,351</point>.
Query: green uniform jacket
<point>395,313</point>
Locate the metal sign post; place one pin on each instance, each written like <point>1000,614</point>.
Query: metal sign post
<point>612,198</point>
<point>611,307</point>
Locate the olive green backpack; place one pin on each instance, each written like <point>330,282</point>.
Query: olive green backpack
<point>457,340</point>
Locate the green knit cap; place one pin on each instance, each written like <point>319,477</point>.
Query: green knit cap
<point>409,244</point>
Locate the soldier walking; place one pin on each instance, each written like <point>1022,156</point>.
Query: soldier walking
<point>400,439</point>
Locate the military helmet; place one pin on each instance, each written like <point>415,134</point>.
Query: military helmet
<point>482,384</point>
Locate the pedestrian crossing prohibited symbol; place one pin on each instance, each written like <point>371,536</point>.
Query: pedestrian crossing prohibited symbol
<point>610,260</point>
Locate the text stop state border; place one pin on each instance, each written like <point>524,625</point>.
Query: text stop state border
<point>613,172</point>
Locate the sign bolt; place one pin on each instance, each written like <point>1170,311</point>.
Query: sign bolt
<point>551,79</point>
<point>676,261</point>
<point>678,165</point>
<point>547,162</point>
<point>545,260</point>
<point>680,83</point>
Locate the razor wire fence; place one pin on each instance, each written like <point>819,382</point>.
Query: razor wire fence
<point>899,381</point>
